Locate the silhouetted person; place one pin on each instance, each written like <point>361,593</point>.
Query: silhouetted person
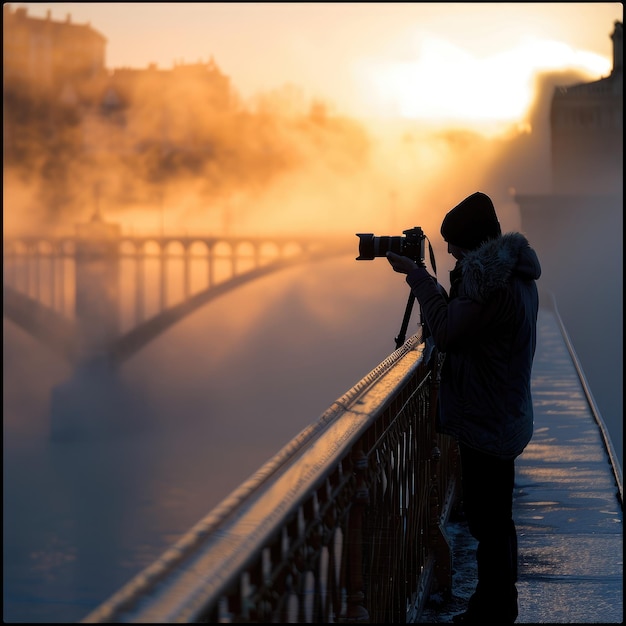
<point>487,330</point>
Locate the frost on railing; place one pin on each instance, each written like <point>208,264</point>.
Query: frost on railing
<point>343,524</point>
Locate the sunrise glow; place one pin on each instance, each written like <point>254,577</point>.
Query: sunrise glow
<point>447,83</point>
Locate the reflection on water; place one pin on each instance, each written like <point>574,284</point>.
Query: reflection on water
<point>213,399</point>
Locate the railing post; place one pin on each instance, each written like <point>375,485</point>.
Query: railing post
<point>210,269</point>
<point>187,270</point>
<point>63,306</point>
<point>355,609</point>
<point>437,539</point>
<point>140,271</point>
<point>163,277</point>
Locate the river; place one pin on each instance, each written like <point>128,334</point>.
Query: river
<point>212,400</point>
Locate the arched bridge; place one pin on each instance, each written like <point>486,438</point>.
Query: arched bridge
<point>101,293</point>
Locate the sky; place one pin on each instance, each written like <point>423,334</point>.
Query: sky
<point>435,61</point>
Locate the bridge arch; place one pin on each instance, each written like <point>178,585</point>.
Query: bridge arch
<point>45,248</point>
<point>160,280</point>
<point>128,247</point>
<point>133,341</point>
<point>269,251</point>
<point>68,246</point>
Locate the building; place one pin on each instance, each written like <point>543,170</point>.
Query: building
<point>68,61</point>
<point>587,130</point>
<point>586,126</point>
<point>120,110</point>
<point>41,54</point>
<point>577,229</point>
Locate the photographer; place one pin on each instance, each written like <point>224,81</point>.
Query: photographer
<point>487,330</point>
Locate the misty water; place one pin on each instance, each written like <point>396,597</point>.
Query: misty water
<point>209,402</point>
<point>206,404</point>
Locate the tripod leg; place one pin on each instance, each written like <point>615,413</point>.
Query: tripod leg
<point>405,322</point>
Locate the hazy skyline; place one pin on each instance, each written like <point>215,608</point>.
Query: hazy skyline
<point>411,60</point>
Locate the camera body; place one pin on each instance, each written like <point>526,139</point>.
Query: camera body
<point>411,244</point>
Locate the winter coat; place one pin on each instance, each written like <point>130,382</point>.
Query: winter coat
<point>487,331</point>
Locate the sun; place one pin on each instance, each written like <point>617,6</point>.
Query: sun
<point>448,84</point>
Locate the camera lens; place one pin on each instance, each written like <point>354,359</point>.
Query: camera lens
<point>366,246</point>
<point>384,244</point>
<point>371,246</point>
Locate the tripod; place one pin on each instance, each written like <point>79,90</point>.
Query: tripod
<point>409,305</point>
<point>405,322</point>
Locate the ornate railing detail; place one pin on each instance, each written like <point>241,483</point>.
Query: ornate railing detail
<point>344,524</point>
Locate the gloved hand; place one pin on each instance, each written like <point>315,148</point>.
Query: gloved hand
<point>403,264</point>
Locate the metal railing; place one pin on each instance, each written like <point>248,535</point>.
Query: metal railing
<point>549,298</point>
<point>345,523</point>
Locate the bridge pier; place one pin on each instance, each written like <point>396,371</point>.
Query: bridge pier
<point>93,401</point>
<point>69,293</point>
<point>97,286</point>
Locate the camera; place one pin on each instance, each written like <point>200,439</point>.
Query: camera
<point>411,244</point>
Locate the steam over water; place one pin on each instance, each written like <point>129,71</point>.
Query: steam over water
<point>217,395</point>
<point>213,399</point>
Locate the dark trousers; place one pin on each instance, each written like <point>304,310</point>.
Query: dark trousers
<point>487,484</point>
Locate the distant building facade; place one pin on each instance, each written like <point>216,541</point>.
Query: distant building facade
<point>586,125</point>
<point>41,53</point>
<point>587,130</point>
<point>577,229</point>
<point>65,62</point>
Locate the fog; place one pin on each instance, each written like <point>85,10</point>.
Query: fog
<point>217,395</point>
<point>279,164</point>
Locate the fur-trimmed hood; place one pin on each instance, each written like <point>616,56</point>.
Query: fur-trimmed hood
<point>491,266</point>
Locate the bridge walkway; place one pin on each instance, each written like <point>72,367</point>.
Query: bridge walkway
<point>567,506</point>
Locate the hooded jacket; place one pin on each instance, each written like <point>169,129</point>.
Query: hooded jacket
<point>487,330</point>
